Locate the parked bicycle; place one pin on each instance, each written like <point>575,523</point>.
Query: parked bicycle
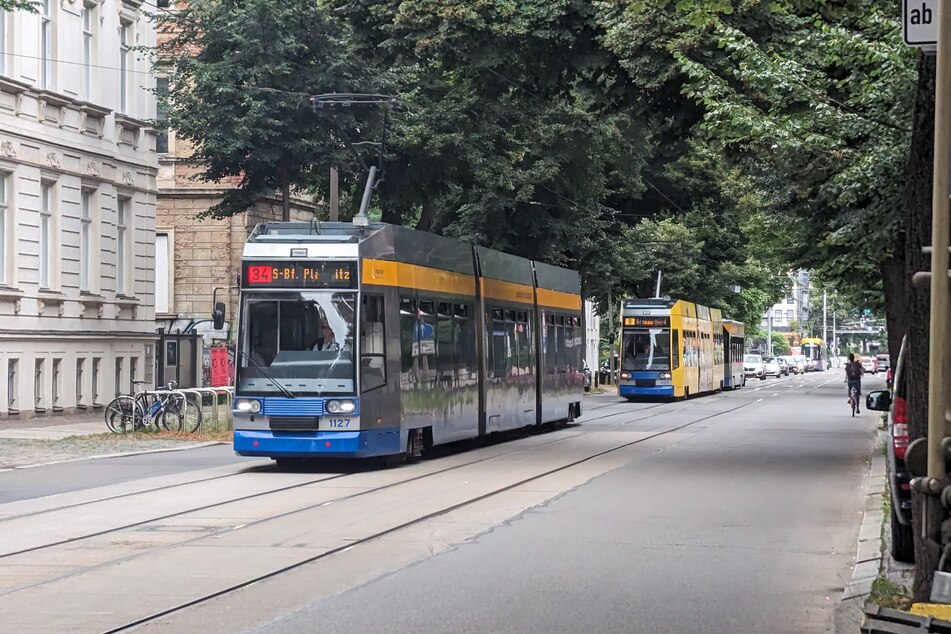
<point>163,408</point>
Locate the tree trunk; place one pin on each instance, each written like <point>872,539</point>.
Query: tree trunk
<point>427,217</point>
<point>896,298</point>
<point>286,195</point>
<point>918,186</point>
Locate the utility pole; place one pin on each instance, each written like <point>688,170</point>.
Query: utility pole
<point>334,196</point>
<point>769,332</point>
<point>940,223</point>
<point>611,337</point>
<point>835,338</point>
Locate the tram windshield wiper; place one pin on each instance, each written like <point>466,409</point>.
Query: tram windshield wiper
<point>275,382</point>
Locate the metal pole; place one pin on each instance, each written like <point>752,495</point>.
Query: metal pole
<point>334,196</point>
<point>611,330</point>
<point>657,292</point>
<point>938,375</point>
<point>361,218</point>
<point>825,329</point>
<point>769,332</point>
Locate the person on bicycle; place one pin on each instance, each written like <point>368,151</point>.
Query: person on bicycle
<point>853,378</point>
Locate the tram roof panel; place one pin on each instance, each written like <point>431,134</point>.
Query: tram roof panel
<point>556,278</point>
<point>393,243</point>
<point>507,268</point>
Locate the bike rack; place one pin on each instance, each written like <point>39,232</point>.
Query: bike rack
<point>215,393</point>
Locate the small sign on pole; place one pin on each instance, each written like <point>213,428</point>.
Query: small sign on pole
<point>920,20</point>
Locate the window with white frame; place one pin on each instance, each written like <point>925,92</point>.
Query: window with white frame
<point>85,240</point>
<point>163,279</point>
<point>46,8</point>
<point>4,219</point>
<point>38,384</point>
<point>12,388</point>
<point>89,25</point>
<point>126,39</point>
<point>46,233</point>
<point>3,42</point>
<point>80,372</point>
<point>123,212</point>
<point>120,363</point>
<point>96,367</point>
<point>55,375</point>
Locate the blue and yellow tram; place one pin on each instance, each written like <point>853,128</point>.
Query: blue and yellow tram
<point>382,341</point>
<point>670,348</point>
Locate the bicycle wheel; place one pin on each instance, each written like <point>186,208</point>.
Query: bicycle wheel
<point>123,415</point>
<point>182,414</point>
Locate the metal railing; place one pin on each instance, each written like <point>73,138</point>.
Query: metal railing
<point>209,401</point>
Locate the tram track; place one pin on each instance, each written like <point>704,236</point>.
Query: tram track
<point>261,468</point>
<point>236,500</point>
<point>403,525</point>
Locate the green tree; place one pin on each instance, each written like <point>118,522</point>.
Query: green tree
<point>243,75</point>
<point>780,344</point>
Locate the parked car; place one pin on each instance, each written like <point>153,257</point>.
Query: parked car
<point>884,362</point>
<point>870,365</point>
<point>753,366</point>
<point>771,367</point>
<point>783,366</point>
<point>795,365</point>
<point>902,543</point>
<point>806,366</point>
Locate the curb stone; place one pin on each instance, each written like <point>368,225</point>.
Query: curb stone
<point>848,614</point>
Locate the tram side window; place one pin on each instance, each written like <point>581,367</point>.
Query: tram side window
<point>372,344</point>
<point>445,340</point>
<point>569,342</point>
<point>465,352</point>
<point>523,333</point>
<point>551,345</point>
<point>407,321</point>
<point>511,345</point>
<point>498,347</point>
<point>675,349</point>
<point>562,344</point>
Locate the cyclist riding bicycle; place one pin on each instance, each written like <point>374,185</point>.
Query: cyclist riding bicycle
<point>853,378</point>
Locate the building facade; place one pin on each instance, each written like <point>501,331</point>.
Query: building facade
<point>77,205</point>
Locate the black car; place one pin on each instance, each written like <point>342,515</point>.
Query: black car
<point>903,546</point>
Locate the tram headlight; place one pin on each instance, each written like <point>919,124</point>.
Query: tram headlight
<point>625,375</point>
<point>664,376</point>
<point>248,405</point>
<point>341,407</point>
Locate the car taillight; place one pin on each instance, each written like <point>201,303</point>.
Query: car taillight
<point>900,427</point>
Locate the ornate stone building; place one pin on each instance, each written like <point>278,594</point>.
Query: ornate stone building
<point>77,205</point>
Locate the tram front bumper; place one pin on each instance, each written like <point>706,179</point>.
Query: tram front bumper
<point>328,444</point>
<point>635,390</point>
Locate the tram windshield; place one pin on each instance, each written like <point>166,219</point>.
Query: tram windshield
<point>302,342</point>
<point>646,350</point>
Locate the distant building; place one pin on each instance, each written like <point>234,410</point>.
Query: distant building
<point>790,314</point>
<point>77,205</point>
<point>592,334</point>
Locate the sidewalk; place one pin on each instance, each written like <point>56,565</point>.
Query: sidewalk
<point>39,441</point>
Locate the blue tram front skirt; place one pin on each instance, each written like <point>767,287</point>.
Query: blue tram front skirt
<point>636,390</point>
<point>327,444</point>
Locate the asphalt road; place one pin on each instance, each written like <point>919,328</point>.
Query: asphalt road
<point>730,513</point>
<point>748,526</point>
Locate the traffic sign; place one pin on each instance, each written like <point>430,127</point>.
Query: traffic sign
<point>920,19</point>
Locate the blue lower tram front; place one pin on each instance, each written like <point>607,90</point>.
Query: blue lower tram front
<point>645,384</point>
<point>288,428</point>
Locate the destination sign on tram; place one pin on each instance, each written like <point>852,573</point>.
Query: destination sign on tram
<point>647,322</point>
<point>288,274</point>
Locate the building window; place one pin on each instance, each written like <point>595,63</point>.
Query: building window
<point>161,114</point>
<point>4,219</point>
<point>12,390</point>
<point>790,315</point>
<point>163,279</point>
<point>122,237</point>
<point>119,374</point>
<point>133,369</point>
<point>85,238</point>
<point>125,64</point>
<point>38,384</point>
<point>46,233</point>
<point>80,372</point>
<point>777,314</point>
<point>46,43</point>
<point>57,363</point>
<point>96,365</point>
<point>89,22</point>
<point>3,42</point>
